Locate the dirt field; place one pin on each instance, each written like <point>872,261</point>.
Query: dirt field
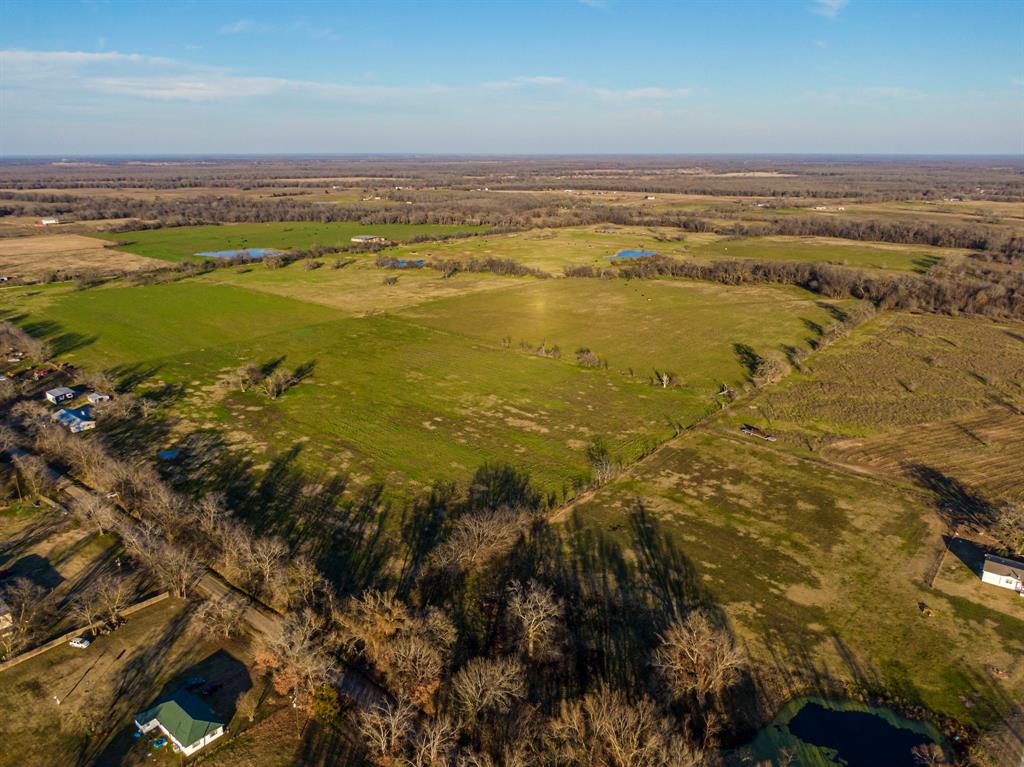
<point>31,257</point>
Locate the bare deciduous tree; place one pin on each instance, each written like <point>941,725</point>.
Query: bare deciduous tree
<point>535,614</point>
<point>603,728</point>
<point>95,512</point>
<point>433,745</point>
<point>386,728</point>
<point>488,685</point>
<point>478,538</point>
<point>297,656</point>
<point>30,608</point>
<point>697,657</point>
<point>35,474</point>
<point>1008,528</point>
<point>770,370</point>
<point>603,465</point>
<point>219,618</point>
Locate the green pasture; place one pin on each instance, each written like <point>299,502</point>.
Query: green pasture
<point>820,570</point>
<point>916,258</point>
<point>429,390</point>
<point>551,250</point>
<point>358,287</point>
<point>692,329</point>
<point>181,242</point>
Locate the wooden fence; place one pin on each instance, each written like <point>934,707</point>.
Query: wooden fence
<point>64,638</point>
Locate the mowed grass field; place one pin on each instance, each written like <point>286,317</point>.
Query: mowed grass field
<point>182,242</point>
<point>428,389</point>
<point>551,250</point>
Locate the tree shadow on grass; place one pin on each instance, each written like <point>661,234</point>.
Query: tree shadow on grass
<point>956,503</point>
<point>748,358</point>
<point>60,340</point>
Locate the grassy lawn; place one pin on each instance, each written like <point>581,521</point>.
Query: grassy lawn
<point>820,570</point>
<point>182,242</point>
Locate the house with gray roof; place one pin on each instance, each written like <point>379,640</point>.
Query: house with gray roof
<point>1003,572</point>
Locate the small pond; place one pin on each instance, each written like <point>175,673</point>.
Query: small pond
<point>832,733</point>
<point>246,252</point>
<point>626,254</point>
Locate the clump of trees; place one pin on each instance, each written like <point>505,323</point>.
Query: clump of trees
<point>271,380</point>
<point>31,608</point>
<point>587,358</point>
<point>18,339</point>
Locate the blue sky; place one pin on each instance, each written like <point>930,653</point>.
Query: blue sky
<point>98,77</point>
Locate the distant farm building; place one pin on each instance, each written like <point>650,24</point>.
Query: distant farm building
<point>48,221</point>
<point>1003,572</point>
<point>369,239</point>
<point>96,398</point>
<point>186,720</point>
<point>60,394</point>
<point>75,420</point>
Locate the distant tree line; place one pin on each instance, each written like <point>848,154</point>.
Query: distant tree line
<point>946,291</point>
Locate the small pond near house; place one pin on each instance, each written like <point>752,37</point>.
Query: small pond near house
<point>820,732</point>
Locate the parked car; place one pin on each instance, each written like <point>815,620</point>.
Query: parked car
<point>80,642</point>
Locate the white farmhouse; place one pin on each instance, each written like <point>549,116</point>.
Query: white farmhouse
<point>1003,572</point>
<point>60,394</point>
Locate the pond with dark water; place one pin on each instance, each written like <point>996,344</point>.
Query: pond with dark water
<point>828,733</point>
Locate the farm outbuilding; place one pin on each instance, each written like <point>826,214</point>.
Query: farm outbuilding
<point>368,239</point>
<point>97,397</point>
<point>1003,572</point>
<point>186,720</point>
<point>60,394</point>
<point>75,420</point>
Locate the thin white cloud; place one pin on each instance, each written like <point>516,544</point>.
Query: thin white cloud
<point>136,76</point>
<point>515,82</point>
<point>1018,81</point>
<point>828,8</point>
<point>652,93</point>
<point>240,26</point>
<point>315,31</point>
<point>16,56</point>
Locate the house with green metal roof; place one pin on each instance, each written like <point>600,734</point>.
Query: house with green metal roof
<point>186,720</point>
